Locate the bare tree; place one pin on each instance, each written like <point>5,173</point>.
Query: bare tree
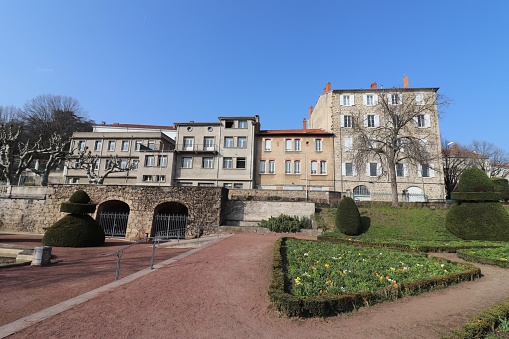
<point>9,114</point>
<point>15,156</point>
<point>88,162</point>
<point>491,158</point>
<point>456,159</point>
<point>395,137</point>
<point>55,153</point>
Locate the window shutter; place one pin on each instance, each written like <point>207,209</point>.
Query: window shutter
<point>416,121</point>
<point>341,99</point>
<point>364,99</point>
<point>389,99</point>
<point>343,169</point>
<point>427,120</point>
<point>342,118</point>
<point>431,172</point>
<point>354,169</point>
<point>375,99</point>
<point>377,120</point>
<point>352,100</point>
<point>405,170</point>
<point>365,121</point>
<point>419,171</point>
<point>367,169</point>
<point>348,143</point>
<point>379,169</point>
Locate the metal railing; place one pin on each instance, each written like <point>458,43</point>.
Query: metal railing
<point>196,148</point>
<point>114,224</point>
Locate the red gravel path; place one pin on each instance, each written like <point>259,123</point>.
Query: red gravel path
<point>221,292</point>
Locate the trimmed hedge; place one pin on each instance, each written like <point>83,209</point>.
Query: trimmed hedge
<point>286,223</point>
<point>80,197</point>
<point>74,230</point>
<point>77,208</point>
<point>482,260</point>
<point>330,305</point>
<point>476,196</point>
<point>478,221</point>
<point>474,180</point>
<point>348,218</point>
<point>502,187</point>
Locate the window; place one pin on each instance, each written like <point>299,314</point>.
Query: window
<point>147,178</point>
<point>272,166</point>
<point>422,120</point>
<point>206,184</point>
<point>98,145</point>
<point>288,167</point>
<point>313,167</point>
<point>111,145</point>
<point>152,144</point>
<point>160,178</point>
<point>238,185</point>
<point>426,171</point>
<point>123,163</point>
<point>162,161</point>
<point>98,162</point>
<point>135,164</point>
<point>138,145</point>
<point>149,160</point>
<point>400,170</point>
<point>346,100</point>
<point>242,124</point>
<point>227,163</point>
<point>318,145</point>
<point>188,143</point>
<point>208,143</point>
<point>361,191</point>
<point>228,124</point>
<point>346,121</point>
<point>125,145</point>
<point>296,145</point>
<point>372,169</point>
<point>241,163</point>
<point>296,167</point>
<point>184,184</point>
<point>348,169</point>
<point>81,145</point>
<point>323,167</point>
<point>227,185</point>
<point>419,99</point>
<point>207,162</point>
<point>288,144</point>
<point>73,180</point>
<point>242,142</point>
<point>187,162</point>
<point>228,142</point>
<point>371,120</point>
<point>369,100</point>
<point>268,144</point>
<point>262,166</point>
<point>348,143</point>
<point>395,99</point>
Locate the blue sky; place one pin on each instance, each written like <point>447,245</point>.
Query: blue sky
<point>160,62</point>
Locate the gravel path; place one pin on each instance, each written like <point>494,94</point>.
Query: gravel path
<point>220,291</point>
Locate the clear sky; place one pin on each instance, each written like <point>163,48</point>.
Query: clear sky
<point>159,62</point>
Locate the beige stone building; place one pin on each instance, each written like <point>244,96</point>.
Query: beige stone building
<point>150,147</point>
<point>295,159</point>
<point>216,153</point>
<point>340,111</point>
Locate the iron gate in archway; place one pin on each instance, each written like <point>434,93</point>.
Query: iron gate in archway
<point>170,225</point>
<point>114,224</point>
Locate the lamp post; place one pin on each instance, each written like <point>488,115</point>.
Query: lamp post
<point>306,159</point>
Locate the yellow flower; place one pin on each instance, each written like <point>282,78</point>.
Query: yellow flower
<point>327,266</point>
<point>503,259</point>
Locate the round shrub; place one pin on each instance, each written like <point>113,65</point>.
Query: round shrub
<point>502,187</point>
<point>74,230</point>
<point>348,218</point>
<point>473,180</point>
<point>80,197</point>
<point>478,221</point>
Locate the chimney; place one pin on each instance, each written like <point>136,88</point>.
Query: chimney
<point>405,81</point>
<point>310,111</point>
<point>373,85</point>
<point>304,124</point>
<point>327,87</point>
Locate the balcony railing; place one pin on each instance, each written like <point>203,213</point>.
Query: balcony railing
<point>197,148</point>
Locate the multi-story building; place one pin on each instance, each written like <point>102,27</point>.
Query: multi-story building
<point>295,159</point>
<point>216,153</point>
<point>355,115</point>
<point>149,147</point>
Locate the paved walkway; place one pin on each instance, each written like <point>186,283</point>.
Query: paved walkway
<point>220,291</point>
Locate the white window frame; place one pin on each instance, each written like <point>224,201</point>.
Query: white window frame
<point>151,144</point>
<point>296,145</point>
<point>162,161</point>
<point>288,145</point>
<point>187,162</point>
<point>348,144</point>
<point>346,100</point>
<point>98,145</point>
<point>348,169</point>
<point>395,98</point>
<point>318,145</point>
<point>262,166</point>
<point>229,142</point>
<point>188,143</point>
<point>419,99</point>
<point>346,120</point>
<point>146,178</point>
<point>372,120</point>
<point>242,142</point>
<point>123,163</point>
<point>314,167</point>
<point>125,145</point>
<point>111,145</point>
<point>138,145</point>
<point>150,161</point>
<point>272,166</point>
<point>81,145</point>
<point>227,163</point>
<point>207,162</point>
<point>296,166</point>
<point>323,167</point>
<point>161,178</point>
<point>242,124</point>
<point>288,167</point>
<point>208,143</point>
<point>370,99</point>
<point>267,145</point>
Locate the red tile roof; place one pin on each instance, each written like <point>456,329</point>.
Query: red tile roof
<point>116,124</point>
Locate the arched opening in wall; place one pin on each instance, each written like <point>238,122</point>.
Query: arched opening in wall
<point>113,215</point>
<point>361,192</point>
<point>170,220</point>
<point>415,194</point>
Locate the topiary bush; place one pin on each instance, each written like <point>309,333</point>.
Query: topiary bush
<point>501,187</point>
<point>348,218</point>
<point>477,213</point>
<point>77,229</point>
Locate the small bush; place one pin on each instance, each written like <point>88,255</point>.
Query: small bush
<point>74,230</point>
<point>474,180</point>
<point>501,187</point>
<point>348,218</point>
<point>80,197</point>
<point>286,223</point>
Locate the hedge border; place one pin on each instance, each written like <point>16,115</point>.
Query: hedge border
<point>482,260</point>
<point>322,306</point>
<point>476,196</point>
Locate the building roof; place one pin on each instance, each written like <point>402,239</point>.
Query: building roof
<point>307,131</point>
<point>116,124</point>
<point>461,152</point>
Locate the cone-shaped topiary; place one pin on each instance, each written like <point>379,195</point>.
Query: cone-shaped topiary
<point>501,187</point>
<point>76,229</point>
<point>348,218</point>
<point>477,213</point>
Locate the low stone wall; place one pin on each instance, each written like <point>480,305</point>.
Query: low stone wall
<point>322,197</point>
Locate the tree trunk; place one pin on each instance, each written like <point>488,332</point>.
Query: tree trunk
<point>394,184</point>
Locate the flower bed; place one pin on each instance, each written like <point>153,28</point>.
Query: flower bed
<point>492,256</point>
<point>321,279</point>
